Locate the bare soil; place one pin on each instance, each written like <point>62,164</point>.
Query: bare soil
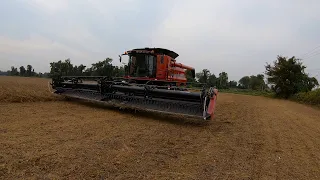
<point>251,137</point>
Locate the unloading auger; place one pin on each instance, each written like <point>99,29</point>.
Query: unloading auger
<point>153,81</point>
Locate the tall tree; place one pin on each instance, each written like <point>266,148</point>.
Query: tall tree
<point>189,76</point>
<point>62,68</point>
<point>203,76</point>
<point>81,69</point>
<point>253,82</point>
<point>245,82</point>
<point>22,71</point>
<point>222,82</point>
<point>103,68</point>
<point>233,84</point>
<point>14,71</point>
<point>261,82</point>
<point>288,77</point>
<point>257,82</point>
<point>212,80</point>
<point>29,70</point>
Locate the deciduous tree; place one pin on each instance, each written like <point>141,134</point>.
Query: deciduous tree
<point>288,77</point>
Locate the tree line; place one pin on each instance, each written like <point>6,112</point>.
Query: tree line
<point>101,68</point>
<point>222,81</point>
<point>27,71</point>
<point>285,76</point>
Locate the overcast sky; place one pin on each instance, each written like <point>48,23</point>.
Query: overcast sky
<point>234,36</point>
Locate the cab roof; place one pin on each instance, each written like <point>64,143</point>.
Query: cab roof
<point>167,52</point>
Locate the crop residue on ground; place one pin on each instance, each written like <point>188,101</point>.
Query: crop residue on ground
<point>251,138</point>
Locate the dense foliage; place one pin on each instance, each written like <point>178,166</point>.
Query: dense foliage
<point>287,77</point>
<point>221,82</point>
<point>22,71</point>
<point>253,82</point>
<point>310,97</point>
<point>101,68</point>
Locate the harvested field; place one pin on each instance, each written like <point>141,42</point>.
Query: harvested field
<point>24,89</point>
<point>251,138</point>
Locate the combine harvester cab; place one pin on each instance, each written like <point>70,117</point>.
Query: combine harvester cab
<point>153,81</point>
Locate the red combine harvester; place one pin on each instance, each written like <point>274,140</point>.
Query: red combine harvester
<point>153,81</point>
<point>156,65</point>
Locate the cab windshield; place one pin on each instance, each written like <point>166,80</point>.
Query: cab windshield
<point>142,65</point>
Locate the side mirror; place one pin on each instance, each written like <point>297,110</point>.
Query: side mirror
<point>193,71</point>
<point>119,58</point>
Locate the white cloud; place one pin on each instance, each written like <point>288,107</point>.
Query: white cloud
<point>233,36</point>
<point>39,52</point>
<point>33,43</point>
<point>49,6</point>
<point>108,7</point>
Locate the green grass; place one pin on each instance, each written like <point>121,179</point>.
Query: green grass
<point>312,97</point>
<point>240,91</point>
<point>248,92</point>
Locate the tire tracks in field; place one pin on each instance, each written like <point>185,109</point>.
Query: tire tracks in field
<point>309,141</point>
<point>262,136</point>
<point>293,140</point>
<point>240,142</point>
